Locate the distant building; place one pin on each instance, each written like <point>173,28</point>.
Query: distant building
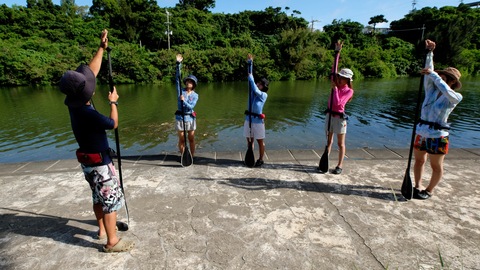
<point>378,30</point>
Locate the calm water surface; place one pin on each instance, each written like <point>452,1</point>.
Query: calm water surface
<point>35,124</point>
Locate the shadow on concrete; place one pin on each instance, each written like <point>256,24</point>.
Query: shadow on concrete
<point>355,190</point>
<point>41,225</point>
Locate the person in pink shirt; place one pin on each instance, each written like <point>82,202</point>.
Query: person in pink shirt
<point>342,93</point>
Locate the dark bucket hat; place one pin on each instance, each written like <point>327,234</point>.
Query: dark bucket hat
<point>78,85</point>
<point>192,78</point>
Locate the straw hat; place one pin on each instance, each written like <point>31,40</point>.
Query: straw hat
<point>454,74</point>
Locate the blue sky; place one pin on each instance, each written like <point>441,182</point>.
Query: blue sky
<point>320,11</point>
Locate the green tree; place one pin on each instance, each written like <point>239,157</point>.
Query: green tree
<point>377,19</point>
<point>203,5</point>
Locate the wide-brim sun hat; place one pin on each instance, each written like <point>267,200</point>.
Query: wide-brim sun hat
<point>454,74</point>
<point>192,78</point>
<point>79,86</point>
<point>346,73</point>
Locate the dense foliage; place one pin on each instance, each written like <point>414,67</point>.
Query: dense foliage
<point>40,41</point>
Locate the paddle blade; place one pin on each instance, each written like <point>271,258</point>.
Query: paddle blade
<point>249,157</point>
<point>323,164</point>
<point>122,226</point>
<point>186,158</point>
<point>407,186</point>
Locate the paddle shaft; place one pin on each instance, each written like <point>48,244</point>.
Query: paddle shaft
<point>117,139</point>
<point>334,73</point>
<point>250,102</point>
<point>417,112</point>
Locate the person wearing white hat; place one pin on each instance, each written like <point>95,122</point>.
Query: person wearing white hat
<point>342,93</point>
<point>432,130</point>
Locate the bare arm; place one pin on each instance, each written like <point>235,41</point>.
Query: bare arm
<point>96,63</point>
<point>113,98</point>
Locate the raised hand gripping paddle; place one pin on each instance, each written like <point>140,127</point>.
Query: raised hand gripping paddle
<point>120,225</point>
<point>186,159</point>
<point>407,185</point>
<point>249,155</point>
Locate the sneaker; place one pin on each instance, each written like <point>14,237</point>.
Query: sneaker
<point>337,170</point>
<point>259,163</point>
<point>422,195</point>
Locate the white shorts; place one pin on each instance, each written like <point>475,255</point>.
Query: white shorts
<point>337,125</point>
<point>189,125</point>
<point>258,130</point>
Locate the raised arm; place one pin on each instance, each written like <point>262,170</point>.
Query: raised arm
<point>178,75</point>
<point>96,62</point>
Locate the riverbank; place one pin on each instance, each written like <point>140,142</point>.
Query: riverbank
<point>218,214</point>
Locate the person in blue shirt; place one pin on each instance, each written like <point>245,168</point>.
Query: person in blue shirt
<point>187,99</point>
<point>432,131</point>
<point>89,127</point>
<point>257,98</point>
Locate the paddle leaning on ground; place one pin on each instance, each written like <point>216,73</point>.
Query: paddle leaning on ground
<point>323,163</point>
<point>249,155</point>
<point>120,225</point>
<point>407,185</point>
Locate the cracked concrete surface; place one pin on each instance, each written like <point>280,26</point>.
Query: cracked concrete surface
<point>218,214</point>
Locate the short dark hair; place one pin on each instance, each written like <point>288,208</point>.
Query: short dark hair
<point>264,83</point>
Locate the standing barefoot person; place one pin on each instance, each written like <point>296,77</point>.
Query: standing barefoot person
<point>89,127</point>
<point>431,139</point>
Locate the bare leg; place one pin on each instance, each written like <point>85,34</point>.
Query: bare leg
<point>329,142</point>
<point>341,149</point>
<point>97,209</point>
<point>250,143</point>
<point>436,161</point>
<point>181,141</point>
<point>110,223</point>
<point>191,141</point>
<point>418,167</point>
<point>261,148</point>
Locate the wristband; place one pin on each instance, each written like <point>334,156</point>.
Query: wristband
<point>113,102</point>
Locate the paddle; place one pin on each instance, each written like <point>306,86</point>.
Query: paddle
<point>120,225</point>
<point>249,156</point>
<point>186,158</point>
<point>407,185</point>
<point>323,163</point>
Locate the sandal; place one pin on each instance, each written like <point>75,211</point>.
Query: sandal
<point>120,246</point>
<point>337,170</point>
<point>259,163</point>
<point>422,195</point>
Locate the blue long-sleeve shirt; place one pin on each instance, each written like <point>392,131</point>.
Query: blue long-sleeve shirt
<point>190,100</point>
<point>439,102</point>
<point>257,97</point>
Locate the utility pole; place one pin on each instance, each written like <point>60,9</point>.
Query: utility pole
<point>414,3</point>
<point>168,32</point>
<point>312,22</point>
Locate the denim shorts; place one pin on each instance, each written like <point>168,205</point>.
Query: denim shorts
<point>432,145</point>
<point>106,187</point>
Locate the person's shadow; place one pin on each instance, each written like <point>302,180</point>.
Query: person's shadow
<point>376,192</point>
<point>39,225</point>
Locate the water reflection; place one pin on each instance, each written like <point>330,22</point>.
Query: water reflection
<point>35,123</point>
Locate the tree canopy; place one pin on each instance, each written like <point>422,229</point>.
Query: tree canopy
<point>40,41</point>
